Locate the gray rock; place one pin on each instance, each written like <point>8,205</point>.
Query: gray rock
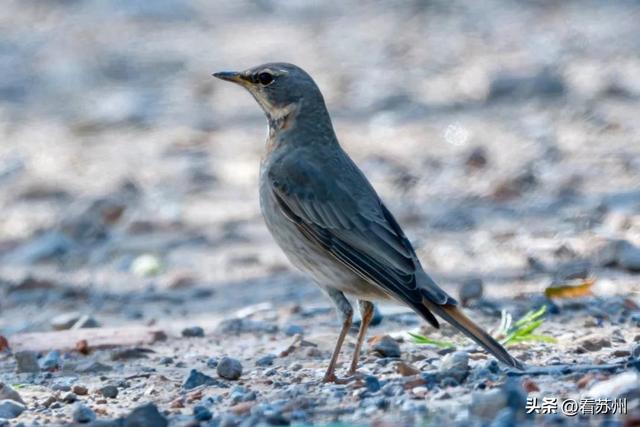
<point>372,383</point>
<point>69,397</point>
<point>145,416</point>
<point>91,367</point>
<point>109,391</point>
<point>65,320</point>
<point>386,346</point>
<point>85,322</point>
<point>212,362</point>
<point>266,360</point>
<point>486,405</point>
<point>51,361</point>
<point>629,257</point>
<point>470,290</point>
<point>243,325</point>
<point>83,414</point>
<point>193,331</point>
<point>197,378</point>
<point>545,82</point>
<point>6,392</point>
<point>10,409</point>
<point>229,368</point>
<point>292,330</point>
<point>201,413</point>
<point>455,365</point>
<point>47,246</point>
<point>26,361</point>
<point>592,342</point>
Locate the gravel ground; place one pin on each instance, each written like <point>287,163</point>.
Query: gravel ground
<point>502,134</point>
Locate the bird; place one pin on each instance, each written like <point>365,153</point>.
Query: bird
<point>328,219</point>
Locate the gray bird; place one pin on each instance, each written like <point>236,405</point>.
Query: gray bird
<point>329,221</point>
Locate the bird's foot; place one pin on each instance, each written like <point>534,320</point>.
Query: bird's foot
<point>332,378</point>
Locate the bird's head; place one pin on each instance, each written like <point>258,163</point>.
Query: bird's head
<point>279,88</point>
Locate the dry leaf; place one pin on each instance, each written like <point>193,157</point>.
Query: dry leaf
<point>580,289</point>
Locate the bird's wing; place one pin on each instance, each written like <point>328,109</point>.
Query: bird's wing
<point>336,208</point>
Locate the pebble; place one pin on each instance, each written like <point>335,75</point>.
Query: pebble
<point>65,320</point>
<point>83,414</point>
<point>27,361</point>
<point>197,378</point>
<point>629,257</point>
<point>80,390</point>
<point>385,346</point>
<point>51,361</point>
<point>8,393</point>
<point>618,385</point>
<point>10,409</point>
<point>145,416</point>
<point>241,325</point>
<point>193,331</point>
<point>212,362</point>
<point>372,383</point>
<point>86,322</point>
<point>109,391</point>
<point>229,368</point>
<point>292,330</point>
<point>471,289</point>
<point>455,365</point>
<point>69,397</point>
<point>266,360</point>
<point>592,342</point>
<point>201,413</point>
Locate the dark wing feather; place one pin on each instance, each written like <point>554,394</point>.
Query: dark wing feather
<point>353,225</point>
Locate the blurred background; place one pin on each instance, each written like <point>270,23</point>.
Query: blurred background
<point>504,135</point>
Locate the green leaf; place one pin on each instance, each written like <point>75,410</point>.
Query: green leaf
<point>421,339</point>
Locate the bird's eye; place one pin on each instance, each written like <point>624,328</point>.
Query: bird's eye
<point>265,78</point>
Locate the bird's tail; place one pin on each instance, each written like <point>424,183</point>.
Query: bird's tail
<point>457,318</point>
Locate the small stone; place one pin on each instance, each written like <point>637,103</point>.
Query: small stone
<point>146,265</point>
<point>197,378</point>
<point>83,414</point>
<point>241,325</point>
<point>406,370</point>
<point>477,158</point>
<point>51,361</point>
<point>212,362</point>
<point>193,331</point>
<point>372,383</point>
<point>635,353</point>
<point>86,322</point>
<point>485,405</point>
<point>80,390</point>
<point>109,391</point>
<point>593,342</point>
<point>8,393</point>
<point>145,416</point>
<point>229,368</point>
<point>455,365</point>
<point>27,361</point>
<point>10,409</point>
<point>292,330</point>
<point>385,346</point>
<point>69,397</point>
<point>629,257</point>
<point>266,360</point>
<point>530,386</point>
<point>91,367</point>
<point>201,413</point>
<point>471,289</point>
<point>624,384</point>
<point>65,320</point>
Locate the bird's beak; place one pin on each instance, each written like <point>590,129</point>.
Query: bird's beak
<point>230,76</point>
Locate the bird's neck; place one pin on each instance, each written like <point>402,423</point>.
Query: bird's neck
<point>300,123</point>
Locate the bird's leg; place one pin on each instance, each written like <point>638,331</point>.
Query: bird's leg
<point>366,314</point>
<point>346,312</point>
